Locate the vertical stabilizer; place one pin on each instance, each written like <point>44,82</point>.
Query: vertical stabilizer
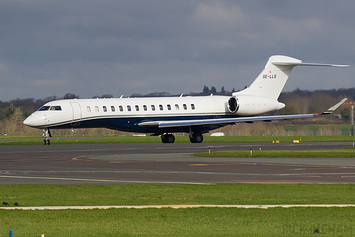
<point>272,79</point>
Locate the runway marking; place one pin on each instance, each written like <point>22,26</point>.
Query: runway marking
<point>81,158</point>
<point>174,206</point>
<point>99,180</point>
<point>212,164</point>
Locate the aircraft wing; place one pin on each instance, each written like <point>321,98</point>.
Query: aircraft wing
<point>226,121</point>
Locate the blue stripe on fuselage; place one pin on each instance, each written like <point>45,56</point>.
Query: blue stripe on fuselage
<point>131,124</point>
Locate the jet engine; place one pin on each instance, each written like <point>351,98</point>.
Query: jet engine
<point>233,105</point>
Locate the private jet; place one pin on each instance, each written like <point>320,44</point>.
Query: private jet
<point>164,116</point>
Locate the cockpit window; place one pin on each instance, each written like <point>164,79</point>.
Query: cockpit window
<point>55,108</point>
<point>44,108</point>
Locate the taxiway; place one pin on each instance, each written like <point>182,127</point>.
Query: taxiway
<point>168,164</point>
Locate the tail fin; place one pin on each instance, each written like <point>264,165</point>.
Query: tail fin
<point>272,79</point>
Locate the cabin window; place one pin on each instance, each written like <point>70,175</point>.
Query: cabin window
<point>145,108</point>
<point>105,108</point>
<point>137,108</point>
<point>169,107</point>
<point>192,106</point>
<point>185,106</point>
<point>161,107</point>
<point>88,108</point>
<point>97,108</point>
<point>121,108</point>
<point>176,106</point>
<point>153,107</point>
<point>129,108</point>
<point>113,108</point>
<point>44,108</point>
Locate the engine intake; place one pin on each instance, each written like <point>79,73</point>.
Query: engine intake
<point>233,104</point>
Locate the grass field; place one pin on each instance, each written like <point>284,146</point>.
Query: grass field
<point>18,140</point>
<point>77,195</point>
<point>179,222</point>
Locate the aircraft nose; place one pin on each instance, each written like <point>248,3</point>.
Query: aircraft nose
<point>28,121</point>
<point>35,121</point>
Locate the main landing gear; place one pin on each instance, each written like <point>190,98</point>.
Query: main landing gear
<point>169,138</point>
<point>46,134</point>
<point>196,138</point>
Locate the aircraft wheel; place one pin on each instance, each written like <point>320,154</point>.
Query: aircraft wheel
<point>196,138</point>
<point>168,138</point>
<point>163,139</point>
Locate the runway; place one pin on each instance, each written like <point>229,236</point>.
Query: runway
<point>168,164</point>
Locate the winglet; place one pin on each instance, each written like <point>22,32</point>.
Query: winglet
<point>333,108</point>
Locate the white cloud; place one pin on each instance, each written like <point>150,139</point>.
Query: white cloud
<point>217,15</point>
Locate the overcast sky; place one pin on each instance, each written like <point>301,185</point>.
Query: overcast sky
<point>118,47</point>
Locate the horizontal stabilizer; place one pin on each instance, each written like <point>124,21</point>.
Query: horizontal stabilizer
<point>307,64</point>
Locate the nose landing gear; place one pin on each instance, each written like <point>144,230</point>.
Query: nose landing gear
<point>46,134</point>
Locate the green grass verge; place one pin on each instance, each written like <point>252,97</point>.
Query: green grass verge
<point>18,140</point>
<point>76,195</point>
<point>180,222</point>
<point>280,154</point>
<point>344,128</point>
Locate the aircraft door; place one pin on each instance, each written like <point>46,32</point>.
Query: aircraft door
<point>76,114</point>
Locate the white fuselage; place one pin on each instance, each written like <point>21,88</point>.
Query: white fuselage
<point>125,113</point>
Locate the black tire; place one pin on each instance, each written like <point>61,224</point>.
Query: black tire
<point>163,139</point>
<point>170,138</point>
<point>196,138</point>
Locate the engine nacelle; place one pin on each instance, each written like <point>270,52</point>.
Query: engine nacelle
<point>246,105</point>
<point>233,105</point>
